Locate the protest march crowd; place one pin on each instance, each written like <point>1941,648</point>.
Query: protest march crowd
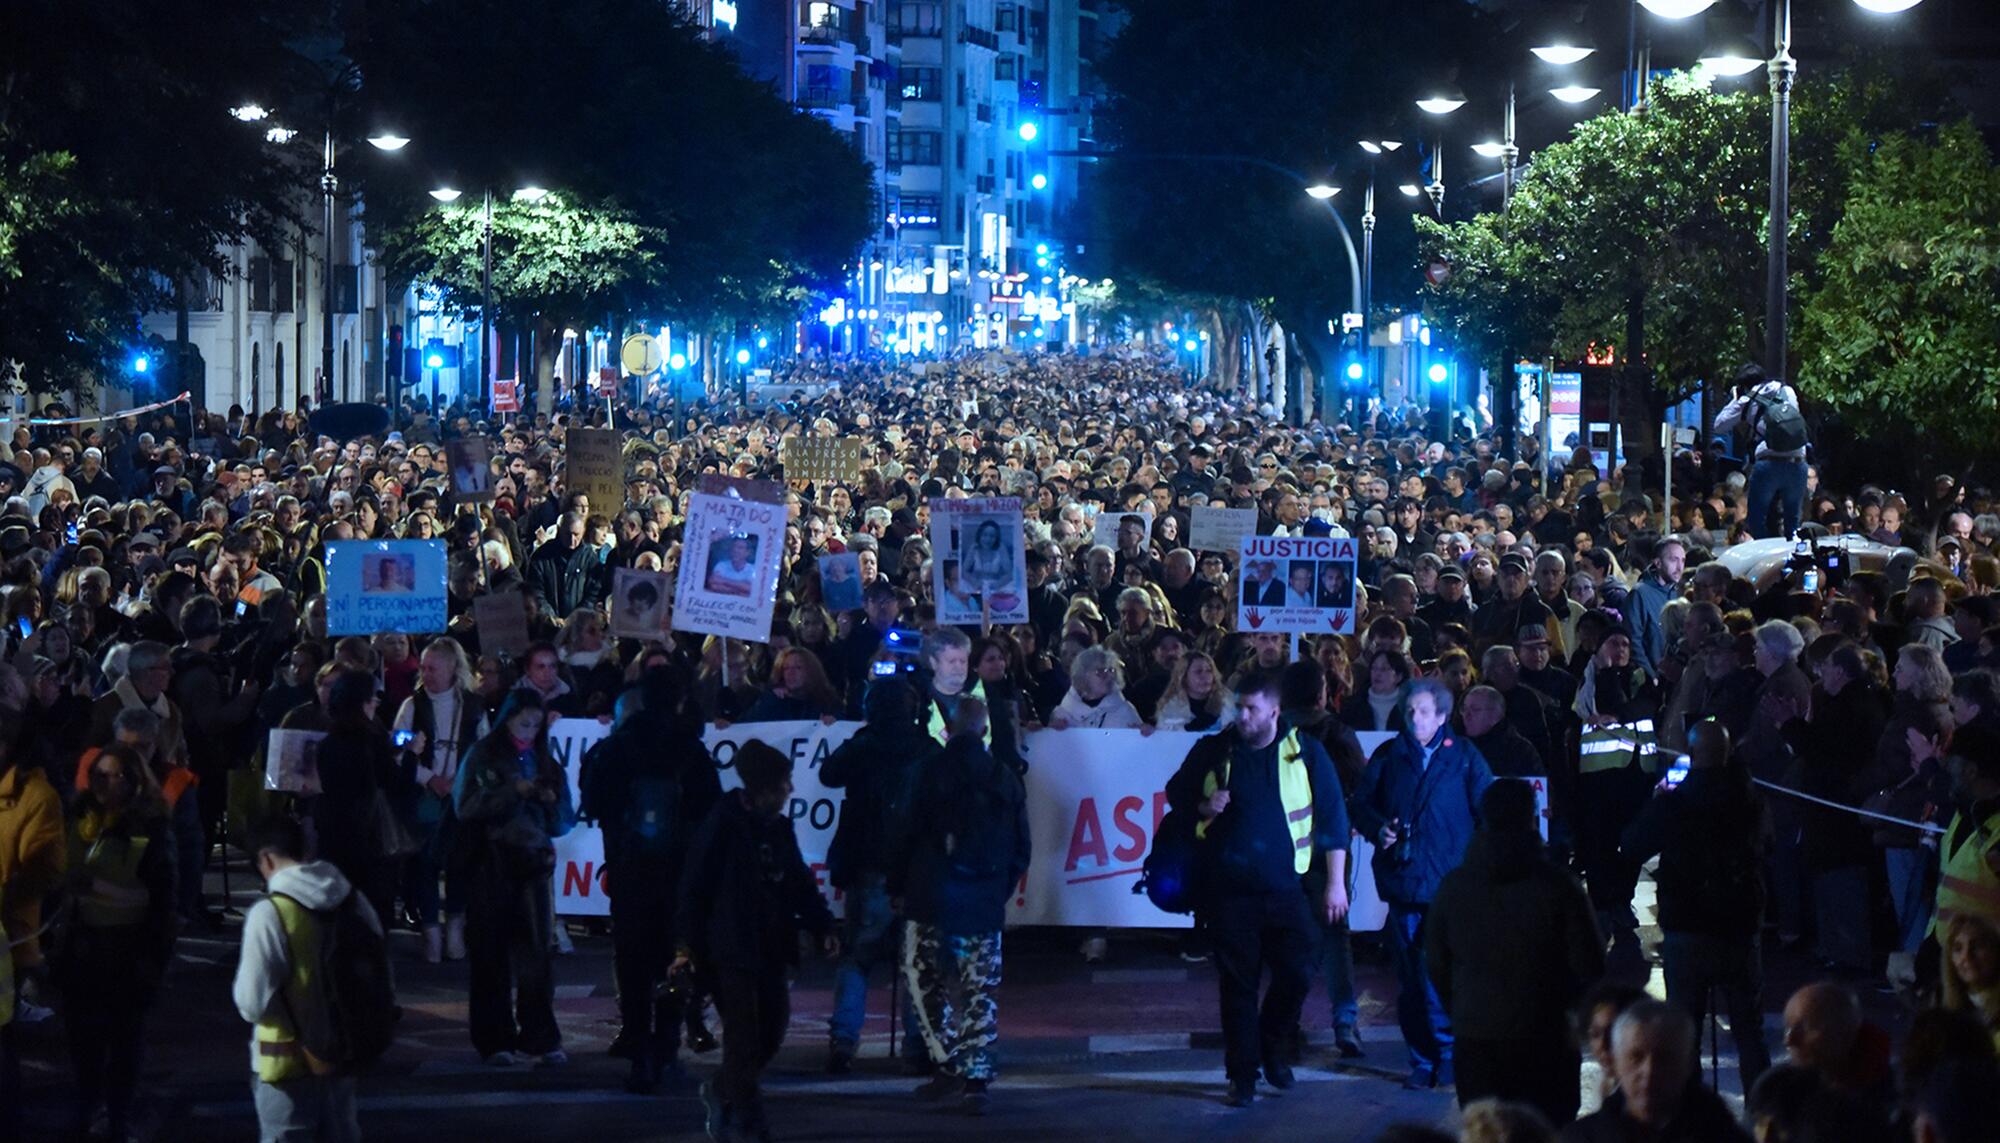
<point>220,636</point>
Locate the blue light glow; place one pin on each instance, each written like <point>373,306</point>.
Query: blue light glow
<point>434,361</point>
<point>141,363</point>
<point>1354,371</point>
<point>1439,373</point>
<point>678,361</point>
<point>1029,130</point>
<point>742,357</point>
<point>1039,182</point>
<point>1193,345</point>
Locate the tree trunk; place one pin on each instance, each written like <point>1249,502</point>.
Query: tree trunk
<point>1274,352</point>
<point>548,342</point>
<point>1636,408</point>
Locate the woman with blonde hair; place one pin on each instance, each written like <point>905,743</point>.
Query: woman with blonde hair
<point>442,719</point>
<point>1195,698</point>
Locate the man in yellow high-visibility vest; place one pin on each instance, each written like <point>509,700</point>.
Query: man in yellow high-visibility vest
<point>275,990</point>
<point>1969,853</point>
<point>1271,809</point>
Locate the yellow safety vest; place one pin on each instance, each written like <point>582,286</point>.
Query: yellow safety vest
<point>1294,794</point>
<point>111,894</point>
<point>280,1056</point>
<point>941,732</point>
<point>1617,746</point>
<point>1967,883</point>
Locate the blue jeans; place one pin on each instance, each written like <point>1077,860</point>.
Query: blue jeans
<point>1426,1027</point>
<point>310,1109</point>
<point>1782,482</point>
<point>1912,873</point>
<point>871,935</point>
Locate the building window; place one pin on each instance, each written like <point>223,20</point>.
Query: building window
<point>961,152</point>
<point>917,147</point>
<point>1008,18</point>
<point>923,84</point>
<point>919,210</point>
<point>919,18</point>
<point>1004,66</point>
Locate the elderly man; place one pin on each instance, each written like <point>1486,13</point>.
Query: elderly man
<point>1484,716</point>
<point>1825,1034</point>
<point>1660,1096</point>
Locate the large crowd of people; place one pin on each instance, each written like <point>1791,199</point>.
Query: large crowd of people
<point>163,607</point>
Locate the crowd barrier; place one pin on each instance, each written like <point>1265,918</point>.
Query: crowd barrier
<point>1094,799</point>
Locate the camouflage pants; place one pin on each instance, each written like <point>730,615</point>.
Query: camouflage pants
<point>955,981</point>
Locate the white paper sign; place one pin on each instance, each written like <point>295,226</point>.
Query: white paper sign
<point>1219,529</point>
<point>374,586</point>
<point>729,567</point>
<point>977,567</point>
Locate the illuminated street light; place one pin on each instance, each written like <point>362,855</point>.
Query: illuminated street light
<point>1029,131</point>
<point>531,194</point>
<point>1443,104</point>
<point>1562,55</point>
<point>249,112</point>
<point>446,194</point>
<point>388,141</point>
<point>1439,373</point>
<point>279,135</point>
<point>1887,7</point>
<point>1676,9</point>
<point>1322,191</point>
<point>1489,150</point>
<point>1575,93</point>
<point>1410,190</point>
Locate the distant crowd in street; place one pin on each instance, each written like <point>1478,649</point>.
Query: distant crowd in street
<point>1577,689</point>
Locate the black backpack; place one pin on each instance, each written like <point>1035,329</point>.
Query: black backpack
<point>652,811</point>
<point>358,993</point>
<point>1173,877</point>
<point>1783,427</point>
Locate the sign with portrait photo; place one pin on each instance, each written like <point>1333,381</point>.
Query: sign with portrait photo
<point>729,567</point>
<point>471,460</point>
<point>978,571</point>
<point>1297,583</point>
<point>840,581</point>
<point>374,586</point>
<point>639,603</point>
<point>502,622</point>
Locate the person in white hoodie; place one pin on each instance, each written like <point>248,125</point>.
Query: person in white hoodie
<point>1095,699</point>
<point>293,1103</point>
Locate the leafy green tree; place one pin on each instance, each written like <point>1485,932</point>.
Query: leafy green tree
<point>1903,335</point>
<point>121,169</point>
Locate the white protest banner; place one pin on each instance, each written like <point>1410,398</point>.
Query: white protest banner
<point>374,586</point>
<point>639,603</point>
<point>1297,583</point>
<point>1219,529</point>
<point>729,567</point>
<point>291,761</point>
<point>978,572</point>
<point>1095,798</point>
<point>1105,529</point>
<point>814,809</point>
<point>594,464</point>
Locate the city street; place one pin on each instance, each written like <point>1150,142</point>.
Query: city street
<point>1088,1051</point>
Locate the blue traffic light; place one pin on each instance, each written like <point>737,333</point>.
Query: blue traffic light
<point>434,360</point>
<point>141,363</point>
<point>763,343</point>
<point>742,357</point>
<point>677,362</point>
<point>1354,371</point>
<point>1040,181</point>
<point>1029,130</point>
<point>1439,373</point>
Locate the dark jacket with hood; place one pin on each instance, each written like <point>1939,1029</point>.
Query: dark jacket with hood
<point>1511,941</point>
<point>1711,835</point>
<point>968,841</point>
<point>878,768</point>
<point>745,891</point>
<point>1703,1118</point>
<point>650,784</point>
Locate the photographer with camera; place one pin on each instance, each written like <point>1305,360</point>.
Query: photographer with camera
<point>1418,802</point>
<point>1770,409</point>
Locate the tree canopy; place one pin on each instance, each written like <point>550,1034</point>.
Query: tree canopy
<point>121,169</point>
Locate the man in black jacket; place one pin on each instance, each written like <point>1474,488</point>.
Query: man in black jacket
<point>1511,944</point>
<point>1660,1096</point>
<point>1271,807</point>
<point>745,897</point>
<point>649,784</point>
<point>878,768</point>
<point>1709,833</point>
<point>1484,715</point>
<point>565,573</point>
<point>1305,702</point>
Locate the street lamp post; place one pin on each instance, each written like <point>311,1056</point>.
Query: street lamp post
<point>489,345</point>
<point>1784,70</point>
